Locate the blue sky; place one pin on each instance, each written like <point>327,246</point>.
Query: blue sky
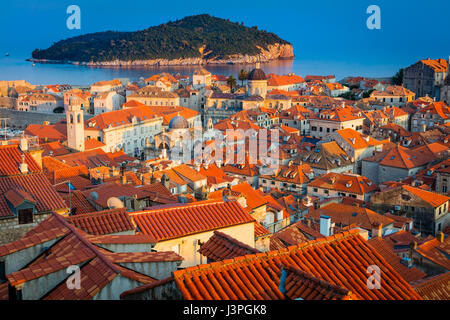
<point>319,30</point>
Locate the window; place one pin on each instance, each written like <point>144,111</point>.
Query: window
<point>2,271</point>
<point>25,216</point>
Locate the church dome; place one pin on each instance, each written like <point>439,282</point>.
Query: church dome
<point>257,74</point>
<point>178,122</point>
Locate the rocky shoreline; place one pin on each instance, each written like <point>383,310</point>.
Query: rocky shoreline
<point>272,52</point>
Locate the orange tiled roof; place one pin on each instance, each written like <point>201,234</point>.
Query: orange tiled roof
<point>260,230</point>
<point>11,158</point>
<point>119,118</point>
<point>386,249</point>
<point>294,234</point>
<point>342,260</point>
<point>78,202</point>
<point>91,159</point>
<point>37,187</point>
<point>394,91</point>
<point>90,144</point>
<point>346,214</point>
<point>302,285</point>
<point>438,65</point>
<point>439,108</point>
<point>98,266</point>
<point>222,246</point>
<point>402,157</point>
<point>275,80</point>
<point>182,220</point>
<point>114,82</point>
<point>434,288</point>
<point>95,275</point>
<point>133,104</point>
<point>346,182</point>
<point>436,251</point>
<point>434,199</point>
<point>358,140</point>
<point>103,222</point>
<point>45,132</point>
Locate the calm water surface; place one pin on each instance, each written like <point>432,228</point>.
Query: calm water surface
<point>15,68</point>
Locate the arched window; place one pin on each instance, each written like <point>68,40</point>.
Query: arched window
<point>71,118</point>
<point>79,118</point>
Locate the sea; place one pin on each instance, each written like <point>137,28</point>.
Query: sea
<point>15,67</point>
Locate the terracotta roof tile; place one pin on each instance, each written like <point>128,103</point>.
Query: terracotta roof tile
<point>36,186</point>
<point>434,288</point>
<point>11,158</point>
<point>302,285</point>
<point>345,182</point>
<point>103,222</point>
<point>179,221</point>
<point>347,214</point>
<point>436,251</point>
<point>294,234</point>
<point>95,275</point>
<point>341,260</point>
<point>222,246</point>
<point>385,249</point>
<point>140,257</point>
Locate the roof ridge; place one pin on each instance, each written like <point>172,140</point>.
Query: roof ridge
<point>86,242</point>
<point>235,241</point>
<point>320,281</point>
<point>283,251</point>
<point>188,205</point>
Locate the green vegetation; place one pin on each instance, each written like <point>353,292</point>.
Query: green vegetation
<point>398,78</point>
<point>193,36</point>
<point>368,93</point>
<point>348,96</point>
<point>231,81</point>
<point>242,76</point>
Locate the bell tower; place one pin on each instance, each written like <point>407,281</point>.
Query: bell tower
<point>75,126</point>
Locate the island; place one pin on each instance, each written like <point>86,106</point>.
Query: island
<point>194,40</point>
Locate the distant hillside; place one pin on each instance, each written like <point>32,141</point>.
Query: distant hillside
<point>196,37</point>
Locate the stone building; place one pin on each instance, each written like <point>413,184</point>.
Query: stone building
<point>428,209</point>
<point>425,77</point>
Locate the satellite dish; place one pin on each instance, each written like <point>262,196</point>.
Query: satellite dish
<point>114,203</point>
<point>94,195</point>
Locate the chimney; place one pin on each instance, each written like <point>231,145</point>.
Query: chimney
<point>377,230</point>
<point>440,236</point>
<point>23,167</point>
<point>325,225</point>
<point>24,144</point>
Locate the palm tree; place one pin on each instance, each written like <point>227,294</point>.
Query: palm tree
<point>243,76</point>
<point>231,81</point>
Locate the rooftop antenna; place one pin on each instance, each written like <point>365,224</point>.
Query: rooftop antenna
<point>3,120</point>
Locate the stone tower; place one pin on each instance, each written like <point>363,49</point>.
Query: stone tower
<point>75,126</point>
